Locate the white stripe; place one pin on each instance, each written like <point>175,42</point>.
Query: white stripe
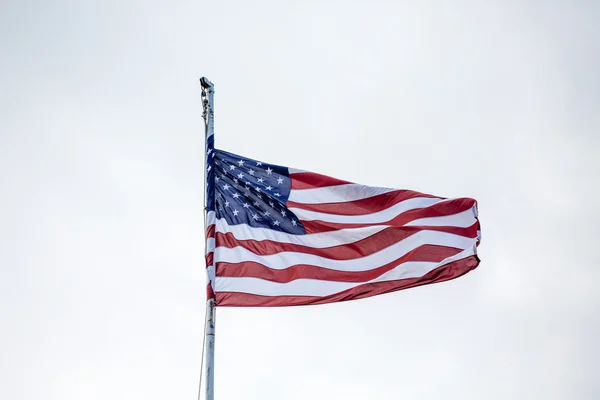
<point>286,259</point>
<point>316,240</point>
<point>211,217</point>
<point>210,245</point>
<point>373,218</point>
<point>295,171</point>
<point>462,219</point>
<point>336,194</point>
<point>315,287</point>
<point>210,273</point>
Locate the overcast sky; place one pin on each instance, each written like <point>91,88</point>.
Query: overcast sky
<point>101,159</point>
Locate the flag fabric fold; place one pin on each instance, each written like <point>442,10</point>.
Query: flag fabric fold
<point>279,236</point>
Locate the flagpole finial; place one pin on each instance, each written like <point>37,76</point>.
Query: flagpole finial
<point>206,83</point>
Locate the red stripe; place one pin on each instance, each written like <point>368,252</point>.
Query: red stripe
<point>442,209</point>
<point>310,180</point>
<point>210,294</point>
<point>362,206</point>
<point>361,248</point>
<point>209,258</point>
<point>210,231</point>
<point>251,269</point>
<point>444,273</point>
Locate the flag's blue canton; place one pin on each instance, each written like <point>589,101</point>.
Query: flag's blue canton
<point>253,193</point>
<point>210,173</point>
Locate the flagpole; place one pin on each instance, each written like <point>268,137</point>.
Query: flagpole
<point>208,103</point>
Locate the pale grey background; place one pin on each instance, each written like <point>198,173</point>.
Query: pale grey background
<point>101,243</point>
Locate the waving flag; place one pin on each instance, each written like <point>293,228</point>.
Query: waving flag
<point>283,237</point>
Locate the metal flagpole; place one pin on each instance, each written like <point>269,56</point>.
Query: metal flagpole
<point>208,103</point>
<point>210,349</point>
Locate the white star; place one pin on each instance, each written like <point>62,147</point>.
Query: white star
<point>232,167</point>
<point>294,222</point>
<point>251,172</point>
<point>272,204</point>
<point>257,189</point>
<point>276,223</point>
<point>235,213</point>
<point>269,171</point>
<point>217,179</point>
<point>261,180</point>
<point>246,205</point>
<point>269,188</point>
<point>240,175</point>
<point>259,196</point>
<point>226,203</point>
<point>283,213</point>
<point>236,195</point>
<point>267,213</point>
<point>234,180</point>
<point>255,216</point>
<point>258,163</point>
<point>213,155</point>
<point>241,162</point>
<point>277,194</point>
<point>279,181</point>
<point>256,204</point>
<point>226,187</point>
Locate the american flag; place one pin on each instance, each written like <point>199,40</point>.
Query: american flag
<point>278,236</point>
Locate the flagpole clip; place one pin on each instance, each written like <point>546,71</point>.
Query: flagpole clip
<point>207,90</point>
